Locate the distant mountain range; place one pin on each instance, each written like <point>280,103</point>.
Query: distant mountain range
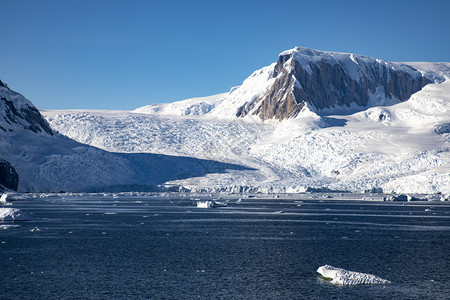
<point>311,120</point>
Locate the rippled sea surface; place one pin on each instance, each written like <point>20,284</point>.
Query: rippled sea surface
<point>143,246</point>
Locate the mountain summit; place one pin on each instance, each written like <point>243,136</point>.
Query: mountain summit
<point>18,114</point>
<point>330,81</point>
<point>303,79</point>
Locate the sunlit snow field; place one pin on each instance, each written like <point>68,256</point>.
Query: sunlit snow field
<point>394,146</point>
<point>161,246</point>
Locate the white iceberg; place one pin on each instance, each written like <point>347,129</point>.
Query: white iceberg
<point>12,214</point>
<point>3,198</point>
<point>210,204</point>
<point>205,204</point>
<point>344,277</point>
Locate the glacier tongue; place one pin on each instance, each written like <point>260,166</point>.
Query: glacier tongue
<point>344,277</point>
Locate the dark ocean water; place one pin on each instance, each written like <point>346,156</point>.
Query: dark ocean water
<point>162,247</point>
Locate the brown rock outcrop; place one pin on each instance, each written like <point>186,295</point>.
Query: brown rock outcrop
<point>324,80</point>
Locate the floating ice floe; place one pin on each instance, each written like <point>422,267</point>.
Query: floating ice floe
<point>344,277</point>
<point>12,214</point>
<point>210,204</point>
<point>8,226</point>
<point>3,198</point>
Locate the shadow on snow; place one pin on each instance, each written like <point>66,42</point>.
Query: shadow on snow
<point>158,169</point>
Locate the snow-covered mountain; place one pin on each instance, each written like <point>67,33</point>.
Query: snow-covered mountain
<point>311,119</point>
<point>304,79</point>
<point>35,158</point>
<point>327,81</point>
<point>19,114</point>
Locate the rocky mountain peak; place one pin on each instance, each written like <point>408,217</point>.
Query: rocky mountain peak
<point>3,85</point>
<point>325,81</point>
<point>17,113</point>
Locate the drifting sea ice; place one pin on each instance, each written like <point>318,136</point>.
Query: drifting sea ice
<point>344,277</point>
<point>13,214</point>
<point>210,204</point>
<point>205,204</point>
<point>3,198</point>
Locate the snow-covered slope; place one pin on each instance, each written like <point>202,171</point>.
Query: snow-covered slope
<point>50,162</point>
<point>194,106</point>
<point>45,161</point>
<point>19,115</point>
<point>401,146</point>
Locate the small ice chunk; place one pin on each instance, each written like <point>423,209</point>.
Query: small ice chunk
<point>210,204</point>
<point>205,204</point>
<point>344,277</point>
<point>3,198</point>
<point>12,214</point>
<point>4,227</point>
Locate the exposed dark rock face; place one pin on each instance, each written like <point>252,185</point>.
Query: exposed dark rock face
<point>442,128</point>
<point>278,102</point>
<point>17,112</point>
<point>3,85</point>
<point>8,176</point>
<point>325,80</point>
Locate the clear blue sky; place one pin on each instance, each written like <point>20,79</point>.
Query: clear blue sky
<point>111,54</point>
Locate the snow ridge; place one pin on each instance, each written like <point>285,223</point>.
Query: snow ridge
<point>355,65</point>
<point>18,114</point>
